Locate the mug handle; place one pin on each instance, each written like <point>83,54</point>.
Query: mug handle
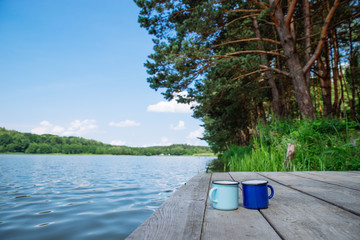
<point>211,193</point>
<point>272,191</point>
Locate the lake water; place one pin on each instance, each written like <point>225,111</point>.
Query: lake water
<point>86,197</point>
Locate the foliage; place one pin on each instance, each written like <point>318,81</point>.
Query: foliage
<point>241,61</point>
<point>17,142</point>
<point>324,144</point>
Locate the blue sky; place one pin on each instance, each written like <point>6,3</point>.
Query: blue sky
<point>76,68</point>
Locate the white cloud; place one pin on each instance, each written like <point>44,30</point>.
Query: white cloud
<point>79,128</point>
<point>76,128</point>
<point>47,127</point>
<point>180,126</point>
<point>198,133</point>
<point>117,143</point>
<point>171,106</point>
<point>126,123</point>
<point>193,137</point>
<point>164,141</point>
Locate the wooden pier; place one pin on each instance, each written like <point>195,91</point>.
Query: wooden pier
<point>306,205</point>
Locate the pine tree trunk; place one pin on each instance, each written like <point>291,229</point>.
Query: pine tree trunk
<point>352,73</point>
<point>276,102</point>
<point>302,93</point>
<point>307,27</point>
<point>327,81</point>
<point>325,85</point>
<point>317,88</point>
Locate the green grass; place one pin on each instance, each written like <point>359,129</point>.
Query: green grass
<point>321,145</point>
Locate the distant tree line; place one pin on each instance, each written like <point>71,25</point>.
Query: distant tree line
<point>17,142</point>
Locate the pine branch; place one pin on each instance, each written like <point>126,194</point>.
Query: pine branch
<point>243,10</point>
<point>323,36</point>
<point>261,4</point>
<point>266,6</point>
<point>248,74</point>
<point>275,70</point>
<point>249,52</point>
<point>290,13</point>
<point>233,21</point>
<point>243,40</point>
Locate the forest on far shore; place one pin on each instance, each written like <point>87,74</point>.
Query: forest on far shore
<point>17,142</point>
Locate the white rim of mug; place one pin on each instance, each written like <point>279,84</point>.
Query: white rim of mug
<point>225,182</point>
<point>254,182</point>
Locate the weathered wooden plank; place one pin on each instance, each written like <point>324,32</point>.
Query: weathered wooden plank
<point>180,217</point>
<point>342,197</point>
<point>238,224</point>
<point>345,179</point>
<point>296,215</point>
<point>295,212</point>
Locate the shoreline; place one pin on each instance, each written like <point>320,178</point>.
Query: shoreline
<point>90,154</point>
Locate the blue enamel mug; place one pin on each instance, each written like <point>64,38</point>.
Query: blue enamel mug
<point>224,194</point>
<point>255,194</point>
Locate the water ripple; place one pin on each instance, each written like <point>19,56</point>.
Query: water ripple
<point>85,197</point>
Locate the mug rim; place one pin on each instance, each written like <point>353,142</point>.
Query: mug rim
<point>254,182</point>
<point>225,182</point>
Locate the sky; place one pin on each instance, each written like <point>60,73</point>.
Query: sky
<point>76,68</point>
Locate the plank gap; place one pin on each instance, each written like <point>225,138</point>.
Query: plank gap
<point>269,222</point>
<point>339,185</point>
<point>207,196</point>
<point>336,205</point>
<point>271,225</point>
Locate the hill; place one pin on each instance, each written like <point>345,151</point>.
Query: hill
<point>18,142</point>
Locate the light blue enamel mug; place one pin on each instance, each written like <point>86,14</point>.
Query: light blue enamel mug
<point>224,194</point>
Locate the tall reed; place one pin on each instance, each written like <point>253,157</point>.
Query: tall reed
<point>319,145</point>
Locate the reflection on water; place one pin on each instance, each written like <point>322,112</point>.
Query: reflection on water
<point>85,197</point>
